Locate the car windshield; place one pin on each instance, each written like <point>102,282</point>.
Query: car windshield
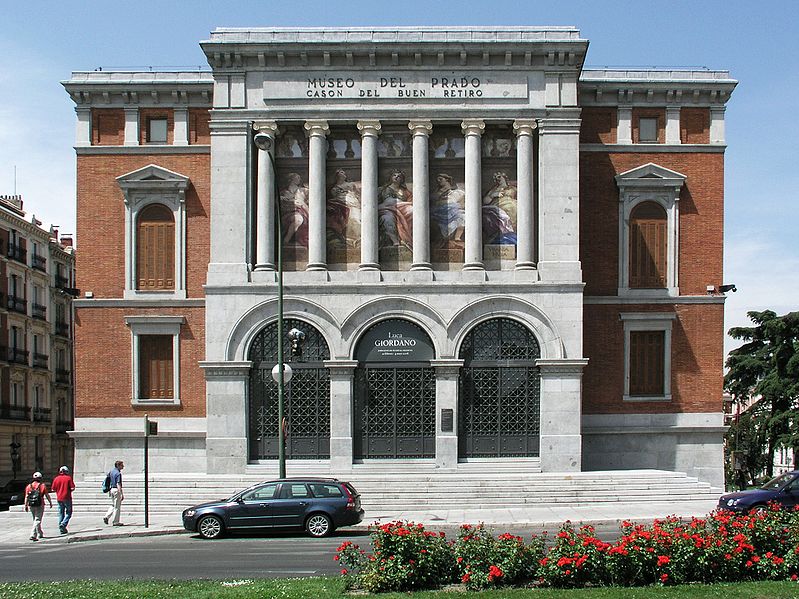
<point>778,483</point>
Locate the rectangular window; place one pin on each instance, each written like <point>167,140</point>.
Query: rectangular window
<point>156,130</point>
<point>648,129</point>
<point>647,361</point>
<point>156,367</point>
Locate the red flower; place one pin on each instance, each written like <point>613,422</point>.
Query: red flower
<point>335,557</point>
<point>344,570</point>
<point>460,560</point>
<point>465,577</point>
<point>663,560</point>
<point>664,577</point>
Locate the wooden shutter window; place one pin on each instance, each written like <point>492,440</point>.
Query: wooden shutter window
<point>648,247</point>
<point>156,367</point>
<point>155,251</point>
<point>647,362</point>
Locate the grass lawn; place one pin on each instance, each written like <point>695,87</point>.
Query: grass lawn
<point>312,588</point>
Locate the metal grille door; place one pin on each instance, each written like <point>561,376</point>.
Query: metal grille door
<point>395,413</point>
<point>306,399</point>
<point>500,386</point>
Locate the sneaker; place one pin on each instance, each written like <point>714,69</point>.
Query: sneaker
<point>105,519</point>
<point>34,539</point>
<point>119,524</point>
<point>63,530</point>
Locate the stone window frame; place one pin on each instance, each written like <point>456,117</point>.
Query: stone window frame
<point>648,321</point>
<point>154,325</point>
<point>650,183</point>
<point>150,138</point>
<point>153,184</point>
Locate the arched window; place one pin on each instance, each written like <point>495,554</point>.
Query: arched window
<point>648,246</point>
<point>155,249</point>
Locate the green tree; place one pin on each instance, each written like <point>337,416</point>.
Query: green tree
<point>766,368</point>
<point>745,453</point>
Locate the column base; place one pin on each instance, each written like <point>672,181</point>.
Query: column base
<point>421,266</point>
<point>369,266</point>
<point>316,266</point>
<point>265,266</point>
<point>474,266</point>
<point>525,265</point>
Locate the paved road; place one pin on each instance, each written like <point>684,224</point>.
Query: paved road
<point>187,556</point>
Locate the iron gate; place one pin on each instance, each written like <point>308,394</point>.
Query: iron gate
<point>500,390</point>
<point>306,398</point>
<point>395,412</point>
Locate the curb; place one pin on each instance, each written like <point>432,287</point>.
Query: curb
<point>121,535</point>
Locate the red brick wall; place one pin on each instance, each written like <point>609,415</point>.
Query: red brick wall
<point>199,129</point>
<point>156,113</point>
<point>100,262</point>
<point>659,113</point>
<point>695,125</point>
<point>598,125</point>
<point>701,217</point>
<point>103,346</point>
<point>108,126</point>
<point>696,359</point>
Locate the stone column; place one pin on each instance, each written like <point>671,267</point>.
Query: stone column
<point>421,195</point>
<point>447,373</point>
<point>180,136</point>
<point>624,128</point>
<point>317,194</point>
<point>473,130</point>
<point>559,200</point>
<point>342,373</point>
<point>265,201</point>
<point>83,130</point>
<point>560,432</point>
<point>673,125</point>
<point>525,227</point>
<point>369,252</point>
<point>226,437</point>
<point>131,127</point>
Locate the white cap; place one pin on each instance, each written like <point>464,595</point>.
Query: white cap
<point>37,475</point>
<point>64,470</point>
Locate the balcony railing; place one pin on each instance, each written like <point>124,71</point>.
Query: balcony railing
<point>16,252</point>
<point>17,304</point>
<point>62,426</point>
<point>18,356</point>
<point>39,311</point>
<point>61,281</point>
<point>8,412</point>
<point>41,414</point>
<point>39,262</point>
<point>62,375</point>
<point>40,360</point>
<point>62,328</point>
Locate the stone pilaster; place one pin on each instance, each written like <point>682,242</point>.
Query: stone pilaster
<point>672,125</point>
<point>369,234</point>
<point>131,127</point>
<point>561,437</point>
<point>447,373</point>
<point>624,127</point>
<point>317,194</point>
<point>473,130</point>
<point>180,136</point>
<point>342,392</point>
<point>717,133</point>
<point>226,437</point>
<point>83,129</point>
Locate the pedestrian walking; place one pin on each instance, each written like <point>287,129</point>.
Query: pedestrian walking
<point>63,485</point>
<point>35,494</point>
<point>115,492</point>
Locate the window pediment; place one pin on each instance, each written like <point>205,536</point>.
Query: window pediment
<point>650,176</point>
<point>152,179</point>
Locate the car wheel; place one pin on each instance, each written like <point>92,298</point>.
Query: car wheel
<point>758,509</point>
<point>210,527</point>
<point>319,525</point>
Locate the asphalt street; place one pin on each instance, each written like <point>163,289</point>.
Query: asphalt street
<point>187,556</point>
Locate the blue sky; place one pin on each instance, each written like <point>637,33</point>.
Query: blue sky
<point>43,42</point>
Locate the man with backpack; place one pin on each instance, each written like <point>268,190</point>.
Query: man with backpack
<point>113,481</point>
<point>35,494</point>
<point>63,485</point>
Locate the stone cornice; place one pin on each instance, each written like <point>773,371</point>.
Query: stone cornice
<point>131,89</point>
<point>226,370</point>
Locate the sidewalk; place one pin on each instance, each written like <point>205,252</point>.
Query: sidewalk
<point>15,525</point>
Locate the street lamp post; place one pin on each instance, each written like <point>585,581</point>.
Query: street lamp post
<point>282,372</point>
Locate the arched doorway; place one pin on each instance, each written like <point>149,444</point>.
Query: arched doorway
<point>395,393</point>
<point>500,390</point>
<point>306,401</point>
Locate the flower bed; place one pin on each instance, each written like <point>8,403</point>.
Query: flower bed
<point>724,547</point>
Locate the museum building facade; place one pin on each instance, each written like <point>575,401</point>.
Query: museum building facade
<point>486,251</point>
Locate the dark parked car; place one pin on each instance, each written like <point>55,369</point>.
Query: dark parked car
<point>317,505</point>
<point>12,493</point>
<point>783,490</point>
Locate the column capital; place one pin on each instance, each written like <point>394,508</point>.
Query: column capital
<point>317,128</point>
<point>525,126</point>
<point>268,127</point>
<point>369,128</point>
<point>420,127</point>
<point>473,126</point>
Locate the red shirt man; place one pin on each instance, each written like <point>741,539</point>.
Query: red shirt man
<point>63,485</point>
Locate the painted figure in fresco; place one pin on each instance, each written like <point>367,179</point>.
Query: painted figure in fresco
<point>343,212</point>
<point>294,210</point>
<point>395,211</point>
<point>447,215</point>
<point>499,212</point>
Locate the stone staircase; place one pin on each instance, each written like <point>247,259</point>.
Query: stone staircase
<point>414,486</point>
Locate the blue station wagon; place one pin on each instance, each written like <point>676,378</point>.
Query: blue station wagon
<point>316,505</point>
